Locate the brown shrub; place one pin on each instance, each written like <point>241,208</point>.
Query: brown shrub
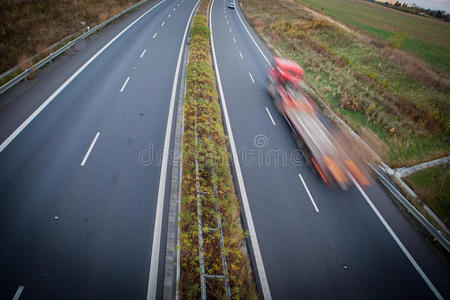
<point>24,63</point>
<point>103,16</point>
<point>351,102</point>
<point>42,51</point>
<point>32,73</point>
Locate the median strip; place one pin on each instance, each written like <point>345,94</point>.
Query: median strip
<point>212,262</point>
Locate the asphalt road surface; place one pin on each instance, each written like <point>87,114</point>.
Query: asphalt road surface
<point>79,184</point>
<point>315,242</point>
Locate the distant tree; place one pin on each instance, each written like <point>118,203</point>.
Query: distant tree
<point>417,10</point>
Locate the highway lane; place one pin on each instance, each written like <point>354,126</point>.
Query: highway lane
<point>342,249</point>
<point>79,185</point>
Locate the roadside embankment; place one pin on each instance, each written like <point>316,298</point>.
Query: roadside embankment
<point>213,260</point>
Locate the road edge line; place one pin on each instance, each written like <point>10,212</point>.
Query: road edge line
<point>172,266</point>
<point>252,232</point>
<point>153,274</point>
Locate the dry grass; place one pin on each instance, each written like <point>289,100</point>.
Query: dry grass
<point>30,27</point>
<point>24,63</point>
<point>42,51</point>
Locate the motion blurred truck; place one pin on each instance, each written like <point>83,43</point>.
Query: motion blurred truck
<point>322,143</point>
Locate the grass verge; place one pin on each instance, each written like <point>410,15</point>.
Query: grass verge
<point>432,185</point>
<point>398,106</point>
<point>202,118</point>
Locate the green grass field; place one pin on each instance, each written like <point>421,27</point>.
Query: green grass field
<point>427,38</point>
<point>432,185</point>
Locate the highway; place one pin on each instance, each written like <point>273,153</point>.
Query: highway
<point>312,242</point>
<point>84,158</point>
<point>84,151</point>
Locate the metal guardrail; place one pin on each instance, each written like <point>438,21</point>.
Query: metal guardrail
<point>437,234</point>
<point>61,50</point>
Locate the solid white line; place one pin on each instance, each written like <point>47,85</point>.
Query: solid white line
<point>162,24</point>
<point>86,156</point>
<point>234,40</point>
<point>252,38</point>
<point>124,84</point>
<point>143,52</point>
<point>155,34</point>
<point>240,54</point>
<point>248,215</point>
<point>309,194</point>
<point>18,292</point>
<point>268,112</point>
<point>66,83</point>
<point>397,240</point>
<point>153,276</point>
<point>251,77</point>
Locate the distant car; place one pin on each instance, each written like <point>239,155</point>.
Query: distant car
<point>231,5</point>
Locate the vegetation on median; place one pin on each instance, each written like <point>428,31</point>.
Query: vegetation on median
<point>202,116</point>
<point>397,105</point>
